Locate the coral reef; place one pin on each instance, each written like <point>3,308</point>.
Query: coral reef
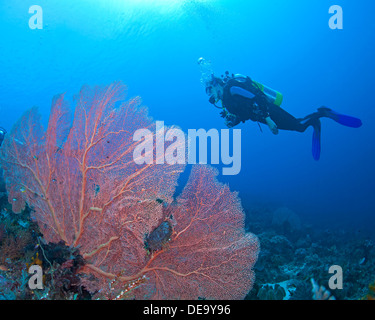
<point>85,189</point>
<point>101,227</point>
<point>297,257</point>
<point>284,268</point>
<point>320,292</point>
<point>60,263</point>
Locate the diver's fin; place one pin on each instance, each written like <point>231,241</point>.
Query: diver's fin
<point>316,140</point>
<point>340,118</point>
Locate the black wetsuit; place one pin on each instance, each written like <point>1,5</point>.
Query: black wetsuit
<point>243,100</point>
<point>258,108</point>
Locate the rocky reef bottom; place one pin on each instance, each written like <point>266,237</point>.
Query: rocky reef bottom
<point>295,259</point>
<point>293,264</point>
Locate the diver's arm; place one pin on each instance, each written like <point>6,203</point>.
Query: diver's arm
<point>231,120</point>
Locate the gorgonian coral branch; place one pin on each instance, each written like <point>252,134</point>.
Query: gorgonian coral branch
<point>85,188</point>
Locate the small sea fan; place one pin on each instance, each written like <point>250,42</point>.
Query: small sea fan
<point>320,292</point>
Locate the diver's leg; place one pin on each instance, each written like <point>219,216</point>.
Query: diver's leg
<point>324,112</point>
<point>310,120</point>
<point>314,121</point>
<point>342,119</point>
<point>284,120</point>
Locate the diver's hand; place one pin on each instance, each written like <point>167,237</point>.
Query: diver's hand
<point>223,113</point>
<point>272,125</point>
<point>231,120</point>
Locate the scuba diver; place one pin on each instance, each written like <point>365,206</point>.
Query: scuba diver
<point>245,99</point>
<point>3,132</point>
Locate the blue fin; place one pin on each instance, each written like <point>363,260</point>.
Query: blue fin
<point>341,118</point>
<point>316,140</point>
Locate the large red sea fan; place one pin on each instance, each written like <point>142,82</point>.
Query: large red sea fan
<point>85,188</point>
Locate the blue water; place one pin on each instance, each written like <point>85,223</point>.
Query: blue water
<point>153,46</point>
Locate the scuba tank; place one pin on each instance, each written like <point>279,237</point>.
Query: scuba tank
<point>275,96</point>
